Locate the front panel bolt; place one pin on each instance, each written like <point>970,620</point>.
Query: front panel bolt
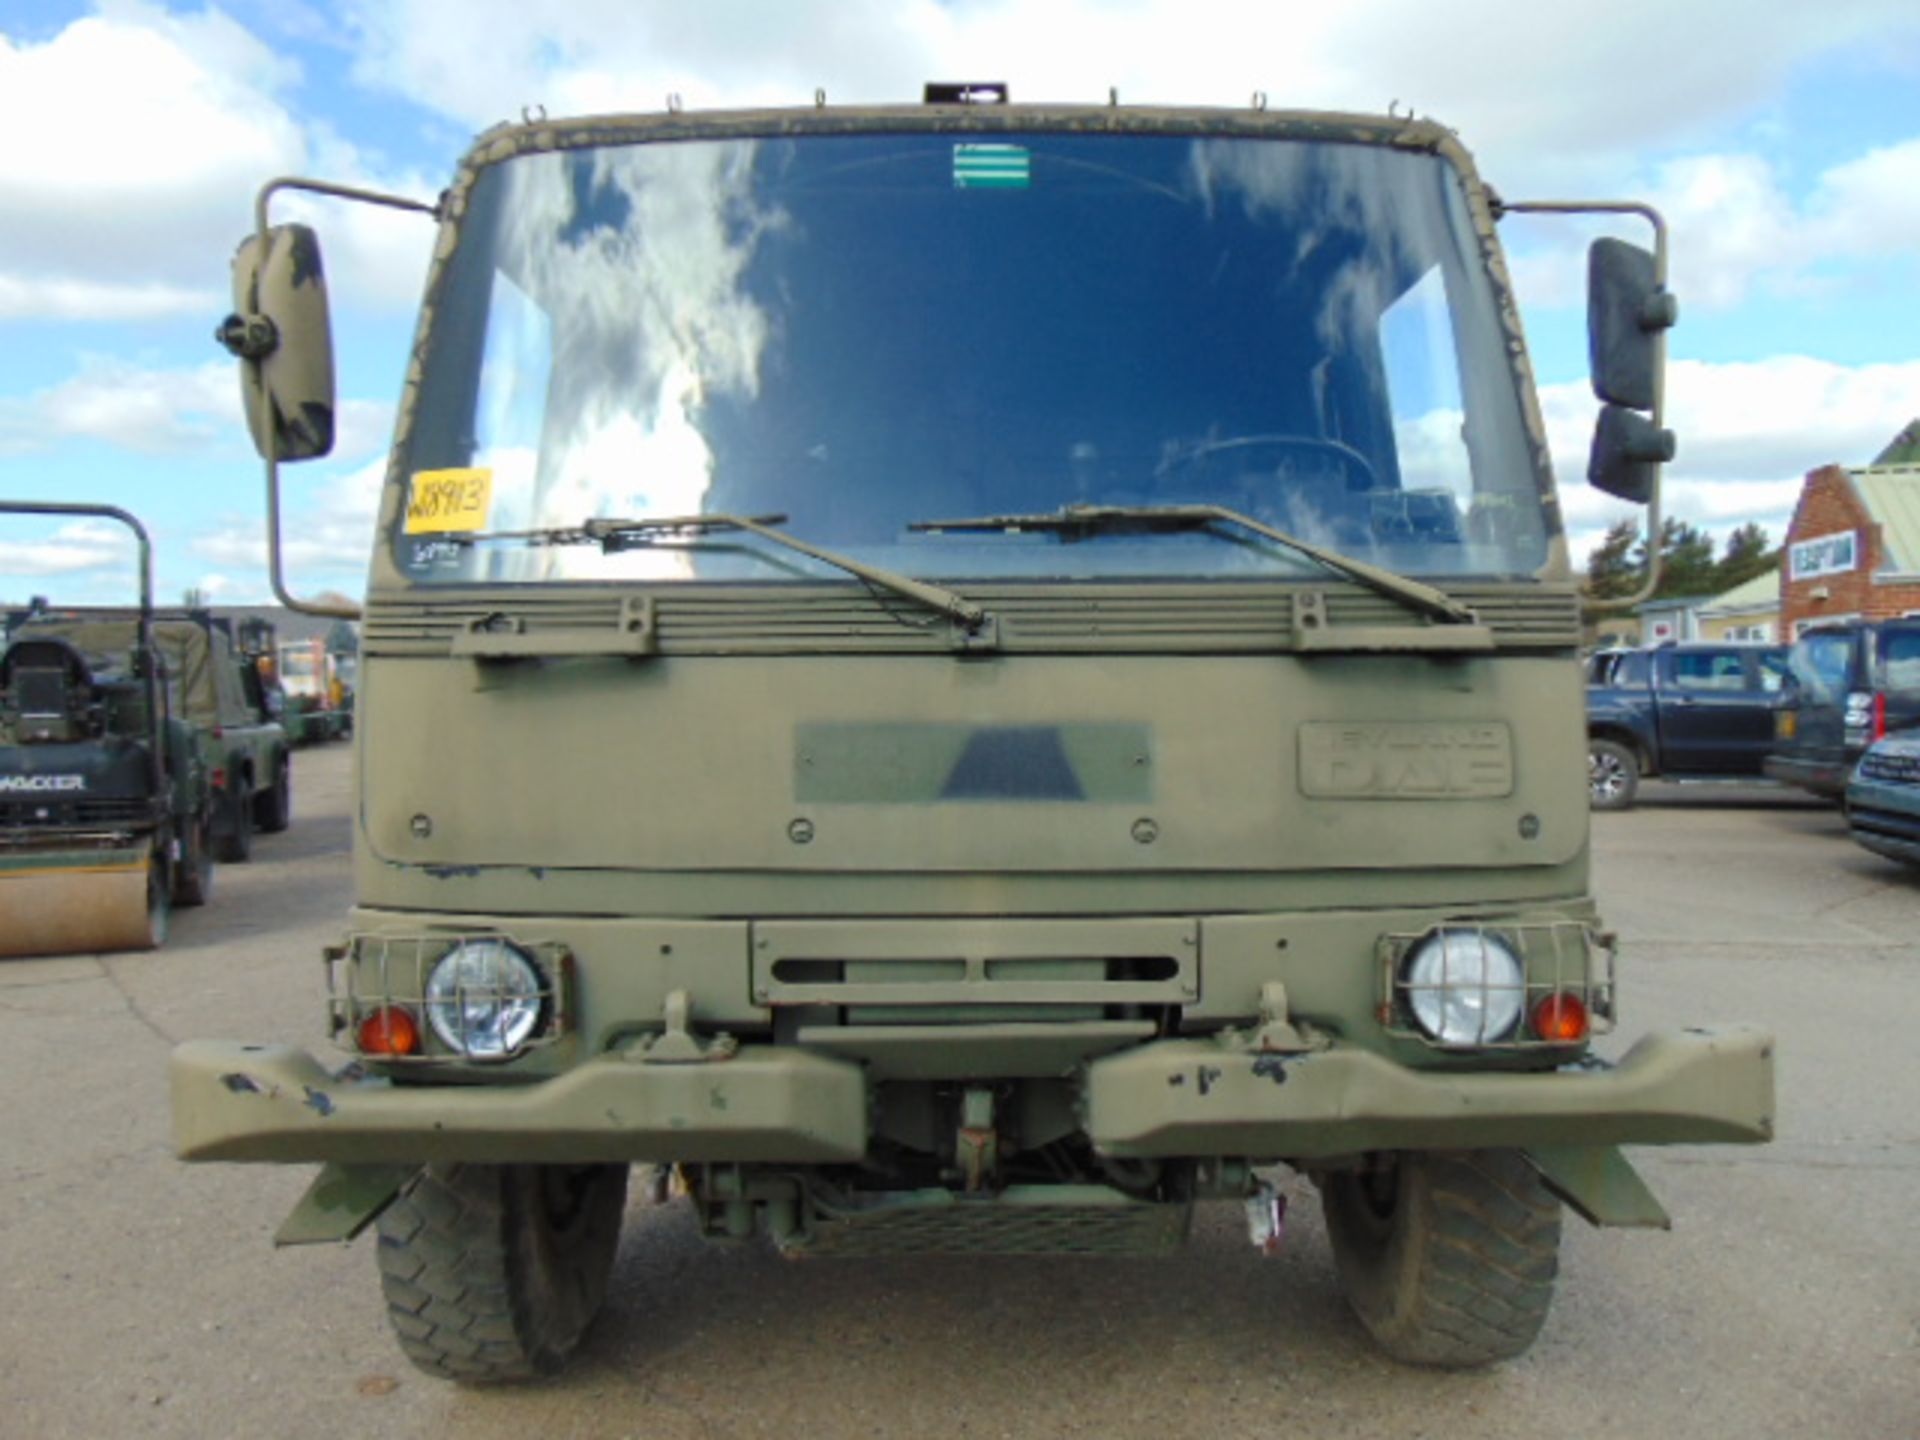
<point>421,825</point>
<point>1145,831</point>
<point>800,832</point>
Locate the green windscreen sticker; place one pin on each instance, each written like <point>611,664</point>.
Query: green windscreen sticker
<point>991,167</point>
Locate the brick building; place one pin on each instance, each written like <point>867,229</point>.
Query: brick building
<point>1853,548</point>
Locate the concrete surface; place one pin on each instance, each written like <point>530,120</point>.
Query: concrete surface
<point>142,1297</point>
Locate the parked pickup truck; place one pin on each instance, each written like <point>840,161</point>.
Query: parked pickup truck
<point>1691,711</point>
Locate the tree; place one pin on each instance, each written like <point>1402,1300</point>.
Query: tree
<point>1687,566</point>
<point>1747,553</point>
<point>1687,563</point>
<point>1610,568</point>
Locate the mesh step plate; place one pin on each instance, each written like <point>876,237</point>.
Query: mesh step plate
<point>1022,1220</point>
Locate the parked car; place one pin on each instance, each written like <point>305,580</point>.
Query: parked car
<point>1692,711</point>
<point>1848,685</point>
<point>1883,798</point>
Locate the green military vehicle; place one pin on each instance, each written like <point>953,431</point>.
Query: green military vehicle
<point>217,692</point>
<point>107,803</point>
<point>969,677</point>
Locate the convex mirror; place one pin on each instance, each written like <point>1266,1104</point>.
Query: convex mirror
<point>281,334</point>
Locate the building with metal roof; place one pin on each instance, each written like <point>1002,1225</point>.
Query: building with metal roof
<point>1853,548</point>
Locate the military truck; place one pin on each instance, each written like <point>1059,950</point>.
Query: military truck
<point>107,806</point>
<point>317,703</point>
<point>968,677</point>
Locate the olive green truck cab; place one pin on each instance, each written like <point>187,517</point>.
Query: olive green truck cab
<point>966,678</point>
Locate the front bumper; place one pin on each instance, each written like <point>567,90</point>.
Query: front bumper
<point>1885,818</point>
<point>784,1105</point>
<point>1186,1097</point>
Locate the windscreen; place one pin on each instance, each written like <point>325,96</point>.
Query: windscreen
<point>865,333</point>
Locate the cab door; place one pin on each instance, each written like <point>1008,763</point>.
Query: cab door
<point>1715,714</point>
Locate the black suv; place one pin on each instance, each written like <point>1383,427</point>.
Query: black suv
<point>1847,685</point>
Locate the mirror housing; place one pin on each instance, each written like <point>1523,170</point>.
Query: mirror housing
<point>1627,447</point>
<point>281,334</point>
<point>1627,308</point>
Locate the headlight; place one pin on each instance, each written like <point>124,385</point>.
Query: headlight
<point>1464,987</point>
<point>484,998</point>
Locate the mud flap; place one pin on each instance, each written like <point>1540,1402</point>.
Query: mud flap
<point>341,1202</point>
<point>1598,1185</point>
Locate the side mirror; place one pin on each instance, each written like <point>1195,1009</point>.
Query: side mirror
<point>1627,309</point>
<point>1626,447</point>
<point>282,336</point>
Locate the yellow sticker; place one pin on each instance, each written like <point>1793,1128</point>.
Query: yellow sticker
<point>444,501</point>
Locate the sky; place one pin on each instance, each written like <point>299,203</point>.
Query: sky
<point>1782,142</point>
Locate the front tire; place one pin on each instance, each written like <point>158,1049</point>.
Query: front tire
<point>1448,1258</point>
<point>1613,775</point>
<point>493,1272</point>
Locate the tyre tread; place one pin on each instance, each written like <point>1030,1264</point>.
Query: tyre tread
<point>1471,1280</point>
<point>448,1259</point>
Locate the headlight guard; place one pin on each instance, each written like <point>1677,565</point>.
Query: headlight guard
<point>1472,986</point>
<point>515,993</point>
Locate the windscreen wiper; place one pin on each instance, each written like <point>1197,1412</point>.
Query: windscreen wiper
<point>1072,521</point>
<point>613,536</point>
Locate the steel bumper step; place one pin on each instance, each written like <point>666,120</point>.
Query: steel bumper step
<point>273,1102</point>
<point>1194,1097</point>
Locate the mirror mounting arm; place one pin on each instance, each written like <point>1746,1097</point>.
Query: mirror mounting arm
<point>1659,315</point>
<point>251,338</point>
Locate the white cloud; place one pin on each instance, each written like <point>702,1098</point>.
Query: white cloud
<point>1737,231</point>
<point>1551,101</point>
<point>72,548</point>
<point>140,138</point>
<point>1733,223</point>
<point>1748,434</point>
<point>161,411</point>
<point>1871,206</point>
<point>146,411</point>
<point>54,299</point>
<point>326,537</point>
<point>1544,88</point>
<point>145,145</point>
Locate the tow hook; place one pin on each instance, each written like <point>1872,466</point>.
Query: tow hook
<point>1266,1218</point>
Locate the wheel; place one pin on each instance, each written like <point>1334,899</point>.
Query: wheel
<point>193,871</point>
<point>234,841</point>
<point>1448,1258</point>
<point>273,806</point>
<point>1613,775</point>
<point>493,1272</point>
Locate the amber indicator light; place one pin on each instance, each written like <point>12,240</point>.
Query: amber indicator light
<point>390,1030</point>
<point>1561,1018</point>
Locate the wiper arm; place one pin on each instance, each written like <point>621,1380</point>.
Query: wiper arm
<point>1074,520</point>
<point>613,536</point>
